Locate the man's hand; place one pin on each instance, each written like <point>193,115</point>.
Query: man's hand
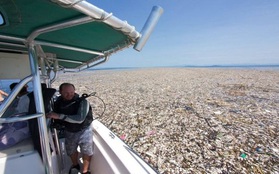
<point>53,115</point>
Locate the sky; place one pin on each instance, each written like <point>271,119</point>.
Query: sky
<point>200,32</point>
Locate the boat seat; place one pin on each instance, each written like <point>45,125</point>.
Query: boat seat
<point>21,158</point>
<point>47,93</point>
<point>21,148</point>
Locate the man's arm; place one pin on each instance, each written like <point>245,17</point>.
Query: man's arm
<point>77,118</point>
<point>3,93</point>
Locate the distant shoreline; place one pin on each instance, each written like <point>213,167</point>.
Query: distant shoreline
<point>261,67</point>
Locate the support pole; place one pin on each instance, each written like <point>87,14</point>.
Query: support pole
<point>148,27</point>
<point>40,109</point>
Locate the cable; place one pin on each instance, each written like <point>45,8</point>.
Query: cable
<point>104,107</point>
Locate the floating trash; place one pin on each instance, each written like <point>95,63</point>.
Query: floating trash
<point>218,113</point>
<point>123,137</point>
<point>152,132</point>
<point>187,121</point>
<point>243,155</point>
<point>259,150</point>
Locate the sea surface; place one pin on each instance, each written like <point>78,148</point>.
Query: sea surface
<point>4,84</point>
<point>190,119</point>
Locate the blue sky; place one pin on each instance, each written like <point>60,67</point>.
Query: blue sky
<point>200,32</point>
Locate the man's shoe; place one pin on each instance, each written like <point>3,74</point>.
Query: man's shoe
<point>74,169</point>
<point>88,172</point>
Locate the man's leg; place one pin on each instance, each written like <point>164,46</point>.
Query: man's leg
<point>71,145</point>
<point>86,163</point>
<point>74,158</point>
<point>86,148</point>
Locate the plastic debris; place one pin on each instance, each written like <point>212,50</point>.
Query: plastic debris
<point>206,120</point>
<point>123,137</point>
<point>243,155</point>
<point>259,149</point>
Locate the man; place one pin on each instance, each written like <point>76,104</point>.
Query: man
<point>23,100</point>
<point>15,132</point>
<point>76,116</point>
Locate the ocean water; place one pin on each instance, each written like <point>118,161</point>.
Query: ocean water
<point>4,84</point>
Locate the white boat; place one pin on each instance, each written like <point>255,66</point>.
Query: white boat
<point>39,38</point>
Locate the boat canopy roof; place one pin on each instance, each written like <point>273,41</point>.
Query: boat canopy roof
<point>74,32</point>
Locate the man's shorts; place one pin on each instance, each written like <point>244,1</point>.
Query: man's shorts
<point>83,139</point>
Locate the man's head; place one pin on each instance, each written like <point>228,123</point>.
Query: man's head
<point>23,91</point>
<point>67,91</point>
<point>12,86</point>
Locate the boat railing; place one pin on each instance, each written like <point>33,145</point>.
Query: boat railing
<point>4,106</point>
<point>5,118</point>
<point>20,118</point>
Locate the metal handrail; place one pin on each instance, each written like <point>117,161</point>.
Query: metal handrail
<point>4,106</point>
<point>20,118</point>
